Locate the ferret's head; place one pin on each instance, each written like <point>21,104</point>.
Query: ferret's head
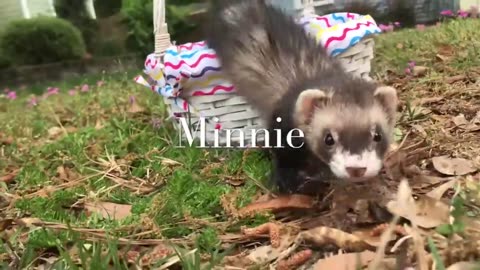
<point>349,131</point>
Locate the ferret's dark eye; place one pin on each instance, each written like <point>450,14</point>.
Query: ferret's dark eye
<point>329,140</point>
<point>377,137</point>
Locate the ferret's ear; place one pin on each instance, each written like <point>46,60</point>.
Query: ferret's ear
<point>306,103</point>
<point>387,97</point>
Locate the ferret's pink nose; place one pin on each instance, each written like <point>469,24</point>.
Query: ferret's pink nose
<point>356,171</point>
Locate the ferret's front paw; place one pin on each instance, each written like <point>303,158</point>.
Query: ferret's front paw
<point>286,180</point>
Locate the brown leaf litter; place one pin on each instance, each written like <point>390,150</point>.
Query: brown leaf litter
<point>109,210</point>
<point>470,126</point>
<point>138,185</point>
<point>89,234</point>
<point>424,211</point>
<point>5,139</point>
<point>280,203</point>
<point>152,257</point>
<point>66,174</point>
<point>419,70</point>
<point>428,160</point>
<point>134,107</point>
<point>271,228</point>
<point>296,260</point>
<point>8,177</point>
<point>345,261</point>
<point>453,166</point>
<point>170,162</point>
<point>55,133</point>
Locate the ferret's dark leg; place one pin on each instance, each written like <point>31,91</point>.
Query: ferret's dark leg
<point>285,173</point>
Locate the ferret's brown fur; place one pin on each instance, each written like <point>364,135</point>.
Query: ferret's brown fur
<point>283,72</point>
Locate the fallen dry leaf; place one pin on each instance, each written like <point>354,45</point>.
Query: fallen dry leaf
<point>152,257</point>
<point>420,130</point>
<point>426,212</point>
<point>446,50</point>
<point>271,228</point>
<point>99,124</point>
<point>276,250</point>
<point>5,223</point>
<point>54,132</point>
<point>6,140</point>
<point>109,210</point>
<point>66,174</point>
<point>455,78</point>
<point>419,70</point>
<point>322,235</point>
<point>453,166</point>
<point>442,58</point>
<point>464,266</point>
<point>438,192</point>
<point>170,162</point>
<point>135,108</point>
<point>369,236</point>
<point>461,122</point>
<point>62,173</point>
<point>378,230</point>
<point>71,129</point>
<point>28,222</point>
<point>48,263</point>
<point>296,260</point>
<point>9,177</point>
<point>279,203</point>
<point>346,261</point>
<point>263,254</point>
<point>237,262</point>
<point>427,100</point>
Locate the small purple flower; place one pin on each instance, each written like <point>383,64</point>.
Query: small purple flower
<point>132,99</point>
<point>33,102</point>
<point>407,70</point>
<point>411,64</point>
<point>72,92</point>
<point>12,95</point>
<point>85,88</point>
<point>52,91</point>
<point>397,24</point>
<point>383,27</point>
<point>446,12</point>
<point>462,14</point>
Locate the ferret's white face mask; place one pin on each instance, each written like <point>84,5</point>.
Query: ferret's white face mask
<point>355,167</point>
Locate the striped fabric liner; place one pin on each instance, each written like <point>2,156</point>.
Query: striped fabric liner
<point>195,66</point>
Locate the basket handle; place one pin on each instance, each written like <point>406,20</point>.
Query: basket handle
<point>160,28</point>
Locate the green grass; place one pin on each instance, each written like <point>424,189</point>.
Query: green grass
<point>181,192</point>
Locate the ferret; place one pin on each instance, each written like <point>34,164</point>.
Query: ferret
<point>347,122</point>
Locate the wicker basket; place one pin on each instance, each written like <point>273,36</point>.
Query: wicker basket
<point>233,112</point>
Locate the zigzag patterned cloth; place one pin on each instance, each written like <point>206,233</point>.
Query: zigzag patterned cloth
<point>195,66</point>
<point>337,32</point>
